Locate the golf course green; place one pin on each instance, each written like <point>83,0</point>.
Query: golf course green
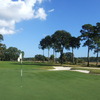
<point>40,84</point>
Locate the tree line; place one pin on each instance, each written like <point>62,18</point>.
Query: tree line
<point>62,40</point>
<point>8,54</point>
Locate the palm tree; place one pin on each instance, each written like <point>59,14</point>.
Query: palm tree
<point>87,35</point>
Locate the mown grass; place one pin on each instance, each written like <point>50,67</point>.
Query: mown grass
<point>40,84</point>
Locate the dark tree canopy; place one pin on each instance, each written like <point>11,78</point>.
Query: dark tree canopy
<point>74,43</point>
<point>60,41</point>
<point>1,37</point>
<point>42,44</point>
<point>12,54</point>
<point>87,33</point>
<point>96,40</point>
<point>39,57</point>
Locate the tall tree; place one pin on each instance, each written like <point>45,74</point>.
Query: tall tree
<point>2,51</point>
<point>2,47</point>
<point>60,40</point>
<point>74,43</point>
<point>96,39</point>
<point>42,45</point>
<point>48,43</point>
<point>87,35</point>
<point>1,37</point>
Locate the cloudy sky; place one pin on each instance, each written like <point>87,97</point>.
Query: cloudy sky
<point>24,23</point>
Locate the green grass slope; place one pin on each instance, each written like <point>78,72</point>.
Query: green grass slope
<point>40,84</point>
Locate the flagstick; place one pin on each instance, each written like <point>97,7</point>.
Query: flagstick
<point>20,60</point>
<point>21,74</point>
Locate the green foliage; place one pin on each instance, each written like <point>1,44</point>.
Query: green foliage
<point>52,57</point>
<point>12,53</point>
<point>2,51</point>
<point>87,35</point>
<point>60,41</point>
<point>69,56</point>
<point>40,58</point>
<point>2,48</point>
<point>62,58</point>
<point>92,59</point>
<point>74,42</point>
<point>80,61</point>
<point>48,41</point>
<point>29,59</point>
<point>66,57</point>
<point>42,44</point>
<point>96,39</point>
<point>1,37</point>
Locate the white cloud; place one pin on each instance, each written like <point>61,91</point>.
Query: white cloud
<point>51,10</point>
<point>41,14</point>
<point>6,31</point>
<point>12,12</point>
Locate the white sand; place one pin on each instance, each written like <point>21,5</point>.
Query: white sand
<point>60,68</point>
<point>83,71</point>
<point>67,68</point>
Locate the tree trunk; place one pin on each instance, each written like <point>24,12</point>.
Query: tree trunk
<point>43,52</point>
<point>43,55</point>
<point>72,56</point>
<point>54,54</point>
<point>61,56</point>
<point>55,57</point>
<point>48,53</point>
<point>88,59</point>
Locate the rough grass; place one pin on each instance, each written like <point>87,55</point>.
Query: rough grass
<point>40,84</point>
<point>92,64</point>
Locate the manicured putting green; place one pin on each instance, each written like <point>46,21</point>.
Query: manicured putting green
<point>40,84</point>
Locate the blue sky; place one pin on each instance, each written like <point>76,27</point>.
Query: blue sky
<point>67,15</point>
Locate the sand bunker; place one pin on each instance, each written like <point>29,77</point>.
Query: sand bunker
<point>59,68</point>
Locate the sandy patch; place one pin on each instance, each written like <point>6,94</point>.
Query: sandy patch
<point>83,71</point>
<point>60,68</point>
<point>67,68</point>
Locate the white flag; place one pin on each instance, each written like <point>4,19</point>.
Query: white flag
<point>20,58</point>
